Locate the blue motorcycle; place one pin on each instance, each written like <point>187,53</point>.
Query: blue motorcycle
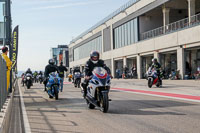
<point>53,85</point>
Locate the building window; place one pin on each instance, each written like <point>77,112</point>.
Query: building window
<point>126,34</point>
<point>84,50</point>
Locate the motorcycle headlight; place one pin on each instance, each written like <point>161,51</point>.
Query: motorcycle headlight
<point>28,78</point>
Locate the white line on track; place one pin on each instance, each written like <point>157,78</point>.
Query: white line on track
<point>24,114</point>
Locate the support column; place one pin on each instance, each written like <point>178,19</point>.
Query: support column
<point>181,62</point>
<point>191,9</point>
<point>139,67</point>
<point>113,67</point>
<point>156,55</point>
<point>102,42</point>
<point>111,35</point>
<point>165,16</point>
<point>124,61</point>
<point>81,68</point>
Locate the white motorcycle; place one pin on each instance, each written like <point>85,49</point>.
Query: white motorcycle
<point>98,90</point>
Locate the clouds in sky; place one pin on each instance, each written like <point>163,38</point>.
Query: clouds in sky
<point>69,4</point>
<point>55,4</point>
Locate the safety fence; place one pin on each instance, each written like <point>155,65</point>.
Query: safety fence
<point>3,82</point>
<point>179,25</point>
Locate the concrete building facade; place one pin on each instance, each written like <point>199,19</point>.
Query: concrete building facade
<point>142,30</point>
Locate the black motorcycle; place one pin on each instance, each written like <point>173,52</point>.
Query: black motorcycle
<point>77,79</point>
<point>41,78</point>
<point>28,80</point>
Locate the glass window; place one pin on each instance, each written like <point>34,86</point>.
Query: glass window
<point>116,37</point>
<point>129,33</point>
<point>126,34</point>
<point>132,32</point>
<point>84,50</point>
<point>123,38</point>
<point>136,29</point>
<point>120,37</point>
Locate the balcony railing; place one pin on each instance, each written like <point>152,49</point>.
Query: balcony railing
<point>182,24</point>
<point>3,82</point>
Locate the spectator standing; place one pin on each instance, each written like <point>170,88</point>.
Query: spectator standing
<point>62,69</point>
<point>8,64</point>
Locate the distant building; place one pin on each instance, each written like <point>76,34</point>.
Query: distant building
<point>60,54</point>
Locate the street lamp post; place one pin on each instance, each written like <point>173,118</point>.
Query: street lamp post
<point>8,31</point>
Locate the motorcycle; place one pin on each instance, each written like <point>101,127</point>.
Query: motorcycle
<point>77,79</point>
<point>41,78</point>
<point>70,77</point>
<point>28,80</point>
<point>36,79</point>
<point>98,90</point>
<point>52,86</point>
<point>153,78</point>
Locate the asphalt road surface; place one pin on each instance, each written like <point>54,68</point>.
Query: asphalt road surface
<point>128,113</point>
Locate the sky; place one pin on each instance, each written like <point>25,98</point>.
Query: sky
<point>44,24</point>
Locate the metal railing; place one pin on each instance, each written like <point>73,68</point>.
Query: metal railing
<point>3,82</point>
<point>181,24</point>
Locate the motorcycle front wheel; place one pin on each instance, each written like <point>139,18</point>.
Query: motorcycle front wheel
<point>149,83</point>
<point>104,103</point>
<point>78,83</point>
<point>55,92</point>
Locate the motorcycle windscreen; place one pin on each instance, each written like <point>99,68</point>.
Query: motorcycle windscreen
<point>101,73</point>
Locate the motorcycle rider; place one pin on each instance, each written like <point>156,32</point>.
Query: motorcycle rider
<point>62,69</point>
<point>76,69</point>
<point>156,65</point>
<point>40,73</point>
<point>93,62</point>
<point>35,74</point>
<point>29,72</point>
<point>51,67</point>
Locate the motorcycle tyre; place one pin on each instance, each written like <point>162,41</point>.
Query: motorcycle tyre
<point>56,93</point>
<point>149,83</point>
<point>104,103</point>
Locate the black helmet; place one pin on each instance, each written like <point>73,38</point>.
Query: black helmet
<point>94,56</point>
<point>51,62</point>
<point>154,60</point>
<point>29,69</point>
